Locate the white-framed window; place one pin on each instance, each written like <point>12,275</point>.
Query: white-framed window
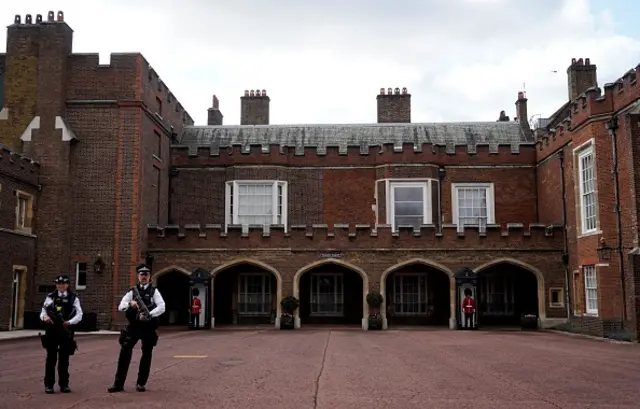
<point>590,289</point>
<point>327,294</point>
<point>410,294</point>
<point>261,202</point>
<point>409,203</point>
<point>587,189</point>
<point>472,204</point>
<point>81,276</point>
<point>24,211</point>
<point>254,294</point>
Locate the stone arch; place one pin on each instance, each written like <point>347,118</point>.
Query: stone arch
<point>328,261</point>
<point>424,262</point>
<point>155,276</point>
<point>542,311</point>
<point>173,301</point>
<point>256,263</point>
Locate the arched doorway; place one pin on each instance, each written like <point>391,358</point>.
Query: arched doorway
<point>417,292</point>
<point>174,286</point>
<point>245,292</point>
<point>507,290</point>
<point>331,292</point>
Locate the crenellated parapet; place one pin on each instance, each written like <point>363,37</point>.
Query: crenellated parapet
<point>385,153</point>
<point>553,139</point>
<point>617,95</point>
<point>18,166</point>
<point>591,103</point>
<point>354,236</point>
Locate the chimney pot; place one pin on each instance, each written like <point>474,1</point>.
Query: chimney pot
<point>27,19</point>
<point>60,16</point>
<point>17,19</point>
<point>50,16</point>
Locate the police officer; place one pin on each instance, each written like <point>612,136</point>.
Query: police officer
<point>61,312</point>
<point>141,328</point>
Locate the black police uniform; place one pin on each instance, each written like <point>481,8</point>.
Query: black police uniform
<point>59,340</point>
<point>137,330</point>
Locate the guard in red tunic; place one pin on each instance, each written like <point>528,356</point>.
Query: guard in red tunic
<point>196,306</point>
<point>469,309</point>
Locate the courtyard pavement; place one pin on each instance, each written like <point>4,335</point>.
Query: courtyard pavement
<point>336,369</point>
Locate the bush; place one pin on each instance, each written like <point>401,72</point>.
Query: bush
<point>374,299</point>
<point>289,304</point>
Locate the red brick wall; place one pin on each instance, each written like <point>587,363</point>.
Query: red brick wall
<point>16,248</point>
<point>590,111</point>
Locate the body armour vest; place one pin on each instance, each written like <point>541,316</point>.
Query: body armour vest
<point>63,305</point>
<point>147,298</point>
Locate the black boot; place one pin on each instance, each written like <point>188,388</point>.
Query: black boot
<point>48,390</point>
<point>140,388</point>
<point>115,388</point>
<point>65,389</point>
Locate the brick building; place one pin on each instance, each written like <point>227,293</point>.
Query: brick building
<point>101,136</point>
<point>323,212</point>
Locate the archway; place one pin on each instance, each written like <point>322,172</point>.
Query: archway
<point>331,292</point>
<point>417,292</point>
<point>507,290</point>
<point>246,292</point>
<point>173,284</point>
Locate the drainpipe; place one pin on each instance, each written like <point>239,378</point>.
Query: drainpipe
<point>565,252</point>
<point>173,172</point>
<point>441,173</point>
<point>612,126</point>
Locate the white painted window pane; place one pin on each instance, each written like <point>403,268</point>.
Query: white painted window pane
<point>255,203</point>
<point>408,206</point>
<point>472,206</point>
<point>588,194</point>
<point>591,289</point>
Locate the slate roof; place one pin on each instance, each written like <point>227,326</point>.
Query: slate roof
<point>364,136</point>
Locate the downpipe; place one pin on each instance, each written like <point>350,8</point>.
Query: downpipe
<point>612,126</point>
<point>565,253</point>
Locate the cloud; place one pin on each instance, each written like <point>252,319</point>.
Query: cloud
<point>324,62</point>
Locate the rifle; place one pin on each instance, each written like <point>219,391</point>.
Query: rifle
<point>57,320</point>
<point>143,315</point>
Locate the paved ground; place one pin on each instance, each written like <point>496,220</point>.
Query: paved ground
<point>336,369</point>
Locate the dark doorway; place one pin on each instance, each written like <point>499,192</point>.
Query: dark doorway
<point>244,295</point>
<point>506,292</point>
<point>418,294</point>
<point>174,287</point>
<point>331,294</point>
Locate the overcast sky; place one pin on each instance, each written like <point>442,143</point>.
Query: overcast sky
<point>325,61</point>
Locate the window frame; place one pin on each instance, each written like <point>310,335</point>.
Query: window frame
<point>267,293</point>
<point>561,297</point>
<point>79,286</point>
<point>490,192</point>
<point>427,198</point>
<point>590,269</point>
<point>27,224</point>
<point>423,295</point>
<point>581,152</point>
<point>231,189</point>
<point>338,279</point>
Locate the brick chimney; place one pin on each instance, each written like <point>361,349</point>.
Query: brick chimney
<point>394,106</point>
<point>214,116</point>
<point>521,111</point>
<point>254,108</point>
<point>581,76</point>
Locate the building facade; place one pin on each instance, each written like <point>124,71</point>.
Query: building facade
<point>326,213</point>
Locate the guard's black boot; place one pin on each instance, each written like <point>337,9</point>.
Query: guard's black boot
<point>115,388</point>
<point>48,390</point>
<point>140,388</point>
<point>65,389</point>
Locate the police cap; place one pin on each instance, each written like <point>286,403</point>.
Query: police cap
<point>62,279</point>
<point>143,268</point>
